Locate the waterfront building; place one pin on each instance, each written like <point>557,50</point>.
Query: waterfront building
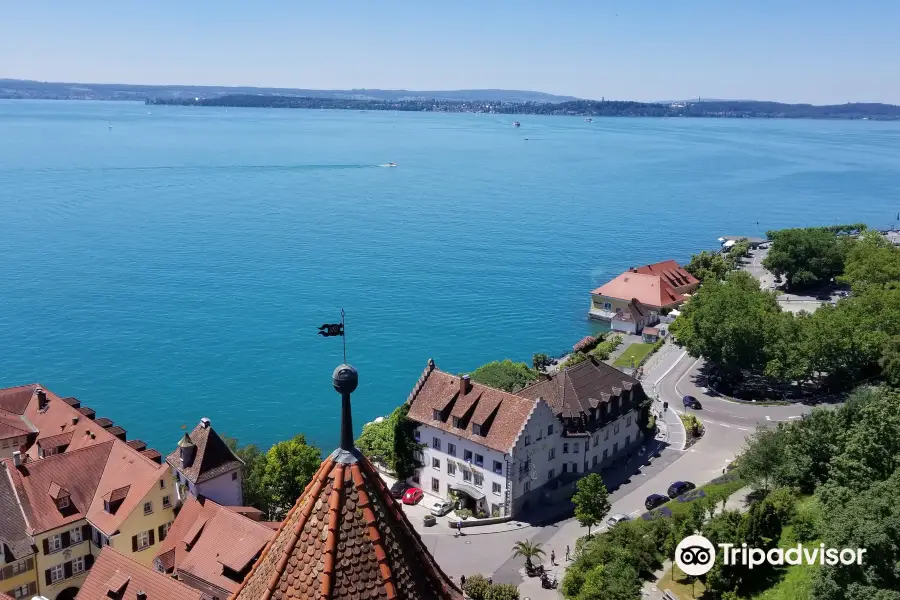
<point>204,465</point>
<point>502,453</point>
<point>79,487</point>
<point>674,274</point>
<point>211,547</point>
<point>118,577</point>
<point>346,537</point>
<point>659,287</point>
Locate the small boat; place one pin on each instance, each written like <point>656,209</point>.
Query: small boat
<point>589,120</point>
<point>392,164</point>
<point>516,124</point>
<point>110,125</point>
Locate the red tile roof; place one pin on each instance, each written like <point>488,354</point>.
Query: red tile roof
<point>55,441</point>
<point>211,459</point>
<point>206,537</point>
<point>346,538</point>
<point>13,528</point>
<point>501,415</point>
<point>118,577</point>
<point>5,597</point>
<point>15,399</point>
<point>651,290</point>
<point>676,275</point>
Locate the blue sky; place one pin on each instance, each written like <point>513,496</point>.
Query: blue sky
<point>826,51</point>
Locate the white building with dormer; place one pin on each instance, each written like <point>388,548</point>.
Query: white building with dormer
<point>204,465</point>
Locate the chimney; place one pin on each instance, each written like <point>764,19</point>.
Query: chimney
<point>205,423</point>
<point>42,398</point>
<point>142,595</point>
<point>17,458</point>
<point>74,420</point>
<point>464,385</point>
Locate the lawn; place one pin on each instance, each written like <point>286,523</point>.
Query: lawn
<point>635,351</point>
<point>682,585</point>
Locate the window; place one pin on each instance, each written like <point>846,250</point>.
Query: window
<point>143,540</point>
<point>605,453</point>
<point>551,454</point>
<point>628,421</point>
<point>596,440</point>
<point>435,485</point>
<point>594,462</point>
<point>495,487</point>
<point>540,434</point>
<point>467,475</point>
<point>476,428</point>
<point>234,476</point>
<point>565,468</point>
<point>78,565</point>
<point>574,467</point>
<point>479,479</point>
<point>417,435</point>
<point>96,537</point>
<point>607,306</point>
<point>23,591</point>
<point>565,448</point>
<point>550,474</point>
<point>576,444</point>
<point>436,414</point>
<point>63,502</point>
<point>75,536</point>
<point>527,440</point>
<point>57,573</point>
<point>616,429</point>
<point>19,567</point>
<point>451,468</point>
<point>167,502</point>
<point>435,463</point>
<point>415,477</point>
<point>587,444</point>
<point>527,486</point>
<point>166,528</point>
<point>162,484</point>
<point>436,443</point>
<point>498,467</point>
<point>451,449</point>
<point>479,460</point>
<point>456,422</point>
<point>550,429</point>
<point>148,508</point>
<point>54,542</point>
<point>607,434</point>
<point>467,455</point>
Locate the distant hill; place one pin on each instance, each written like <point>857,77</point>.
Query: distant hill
<point>25,89</point>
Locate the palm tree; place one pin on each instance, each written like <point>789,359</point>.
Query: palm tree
<point>528,550</point>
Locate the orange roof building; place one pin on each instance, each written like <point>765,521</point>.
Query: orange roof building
<point>674,274</point>
<point>117,577</point>
<point>346,538</point>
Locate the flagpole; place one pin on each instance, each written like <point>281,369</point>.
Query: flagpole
<point>344,337</point>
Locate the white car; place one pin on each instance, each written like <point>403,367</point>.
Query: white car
<point>441,508</point>
<point>616,519</point>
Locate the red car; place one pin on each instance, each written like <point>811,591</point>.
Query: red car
<point>413,496</point>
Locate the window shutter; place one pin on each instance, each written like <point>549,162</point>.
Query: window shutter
<point>88,561</point>
<point>162,532</point>
<point>86,533</point>
<point>29,564</point>
<point>150,533</point>
<point>134,543</point>
<point>66,539</point>
<point>6,573</point>
<point>46,547</point>
<point>67,569</point>
<point>47,576</point>
<point>32,588</point>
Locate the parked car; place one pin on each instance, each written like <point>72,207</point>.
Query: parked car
<point>398,489</point>
<point>680,487</point>
<point>654,500</point>
<point>691,402</point>
<point>824,296</point>
<point>413,496</point>
<point>441,508</point>
<point>616,519</point>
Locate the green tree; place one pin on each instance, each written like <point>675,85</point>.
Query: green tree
<point>253,471</point>
<point>617,580</point>
<point>504,375</point>
<point>762,460</point>
<point>502,591</point>
<point>890,361</point>
<point>575,358</point>
<point>805,256</point>
<point>529,551</point>
<point>540,361</point>
<point>290,466</point>
<point>476,587</point>
<point>871,261</point>
<point>872,446</point>
<point>708,266</point>
<point>591,501</point>
<point>392,442</point>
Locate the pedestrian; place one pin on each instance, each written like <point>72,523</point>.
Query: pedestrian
<point>462,581</point>
<point>567,553</point>
<point>459,527</point>
<point>490,580</point>
<point>552,557</point>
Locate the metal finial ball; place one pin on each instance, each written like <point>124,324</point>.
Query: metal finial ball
<point>345,379</point>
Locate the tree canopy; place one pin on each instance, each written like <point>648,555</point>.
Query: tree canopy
<point>504,375</point>
<point>805,256</point>
<point>591,501</point>
<point>392,442</point>
<point>290,465</point>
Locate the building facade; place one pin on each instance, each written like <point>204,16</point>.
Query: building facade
<point>204,465</point>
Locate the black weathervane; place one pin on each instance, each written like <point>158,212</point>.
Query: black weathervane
<point>333,329</point>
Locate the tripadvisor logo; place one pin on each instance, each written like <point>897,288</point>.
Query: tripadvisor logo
<point>695,555</point>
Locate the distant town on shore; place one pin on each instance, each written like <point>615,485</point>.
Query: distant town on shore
<point>494,101</point>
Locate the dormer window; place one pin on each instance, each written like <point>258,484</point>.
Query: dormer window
<point>476,429</point>
<point>62,503</point>
<point>436,414</point>
<point>456,421</point>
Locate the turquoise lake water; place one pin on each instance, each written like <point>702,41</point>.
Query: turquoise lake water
<point>177,264</point>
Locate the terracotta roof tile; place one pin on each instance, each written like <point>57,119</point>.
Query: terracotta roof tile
<point>118,577</point>
<point>346,539</point>
<point>6,597</point>
<point>55,441</point>
<point>676,275</point>
<point>501,415</point>
<point>651,290</point>
<point>13,527</point>
<point>212,458</point>
<point>15,399</point>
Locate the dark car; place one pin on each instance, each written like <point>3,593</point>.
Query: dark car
<point>825,297</point>
<point>691,402</point>
<point>398,488</point>
<point>654,500</point>
<point>680,487</point>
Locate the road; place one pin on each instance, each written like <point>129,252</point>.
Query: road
<point>488,549</point>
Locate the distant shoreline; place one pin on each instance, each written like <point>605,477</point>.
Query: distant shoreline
<point>729,109</point>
